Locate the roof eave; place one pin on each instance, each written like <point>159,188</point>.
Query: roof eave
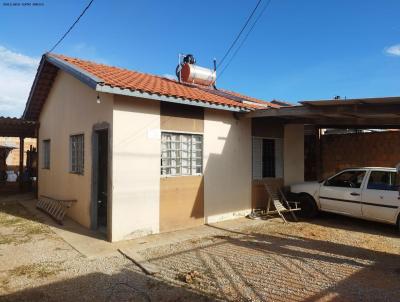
<point>75,71</point>
<point>33,88</point>
<point>171,99</point>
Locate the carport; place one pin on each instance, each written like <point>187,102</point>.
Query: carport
<point>15,127</point>
<point>366,113</point>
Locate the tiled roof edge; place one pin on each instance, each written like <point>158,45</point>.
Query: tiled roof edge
<point>81,74</point>
<point>146,95</point>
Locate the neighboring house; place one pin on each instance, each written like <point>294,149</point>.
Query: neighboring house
<point>144,154</point>
<point>12,160</point>
<point>4,152</point>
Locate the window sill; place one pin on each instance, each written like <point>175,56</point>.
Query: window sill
<point>173,176</point>
<point>76,173</point>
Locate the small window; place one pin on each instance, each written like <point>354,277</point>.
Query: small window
<point>46,154</point>
<point>383,180</point>
<point>267,158</point>
<point>181,154</point>
<point>77,154</point>
<point>347,179</point>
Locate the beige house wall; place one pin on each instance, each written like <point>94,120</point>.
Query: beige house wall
<point>293,154</point>
<point>227,166</point>
<point>70,108</point>
<point>135,152</point>
<point>136,167</point>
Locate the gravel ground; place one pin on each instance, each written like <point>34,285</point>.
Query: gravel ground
<point>329,259</point>
<point>36,265</point>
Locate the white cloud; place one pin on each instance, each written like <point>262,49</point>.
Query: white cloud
<point>393,50</point>
<point>17,72</point>
<point>169,76</point>
<point>85,51</point>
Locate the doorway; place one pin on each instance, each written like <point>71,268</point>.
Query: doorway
<point>102,179</point>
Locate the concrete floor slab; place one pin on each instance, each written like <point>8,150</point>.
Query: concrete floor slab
<point>85,241</point>
<point>93,244</point>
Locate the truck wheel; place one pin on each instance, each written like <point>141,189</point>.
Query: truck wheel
<point>308,206</point>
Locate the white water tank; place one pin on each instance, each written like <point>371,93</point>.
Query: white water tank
<point>191,73</point>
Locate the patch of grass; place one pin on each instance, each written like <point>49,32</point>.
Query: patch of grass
<point>13,214</point>
<point>7,220</point>
<point>37,270</point>
<point>24,224</point>
<point>7,239</point>
<point>33,228</point>
<point>4,284</point>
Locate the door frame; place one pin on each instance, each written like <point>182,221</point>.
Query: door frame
<point>94,192</point>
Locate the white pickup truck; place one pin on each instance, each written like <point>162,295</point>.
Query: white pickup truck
<point>368,193</point>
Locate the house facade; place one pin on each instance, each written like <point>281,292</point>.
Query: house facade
<point>142,154</point>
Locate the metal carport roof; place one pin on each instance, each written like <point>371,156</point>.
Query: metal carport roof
<point>345,113</point>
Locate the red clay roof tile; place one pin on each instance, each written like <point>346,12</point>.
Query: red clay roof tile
<point>132,80</point>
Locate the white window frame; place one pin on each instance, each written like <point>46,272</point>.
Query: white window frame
<point>278,157</point>
<point>79,166</point>
<point>190,159</point>
<point>46,153</point>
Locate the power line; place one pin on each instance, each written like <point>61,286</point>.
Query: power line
<point>72,26</point>
<point>245,38</point>
<point>240,33</point>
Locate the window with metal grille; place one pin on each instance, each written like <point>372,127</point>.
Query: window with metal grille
<point>77,154</point>
<point>46,154</point>
<point>181,154</point>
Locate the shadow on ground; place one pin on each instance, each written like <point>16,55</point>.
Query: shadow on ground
<point>124,286</point>
<point>267,262</point>
<point>283,267</point>
<point>355,225</point>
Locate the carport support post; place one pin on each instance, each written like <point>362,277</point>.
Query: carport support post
<point>293,153</point>
<point>21,161</point>
<point>37,161</point>
<point>318,153</point>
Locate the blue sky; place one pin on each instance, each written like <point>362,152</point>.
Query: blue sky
<point>299,50</point>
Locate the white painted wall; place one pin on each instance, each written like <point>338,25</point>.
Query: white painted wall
<point>293,154</point>
<point>227,166</point>
<point>70,108</point>
<point>136,167</point>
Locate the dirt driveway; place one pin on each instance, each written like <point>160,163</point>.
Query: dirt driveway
<point>329,259</point>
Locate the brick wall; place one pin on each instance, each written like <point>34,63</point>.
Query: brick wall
<point>378,149</point>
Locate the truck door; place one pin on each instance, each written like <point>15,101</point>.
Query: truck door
<point>342,193</point>
<point>380,199</point>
